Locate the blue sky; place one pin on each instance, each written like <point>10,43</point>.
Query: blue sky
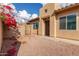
<point>29,7</point>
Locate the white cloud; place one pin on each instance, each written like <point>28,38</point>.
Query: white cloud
<point>33,16</point>
<point>61,4</point>
<point>43,4</point>
<point>20,20</point>
<point>65,4</point>
<point>24,14</point>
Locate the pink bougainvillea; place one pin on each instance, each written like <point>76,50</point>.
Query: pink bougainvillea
<point>8,7</point>
<point>7,16</point>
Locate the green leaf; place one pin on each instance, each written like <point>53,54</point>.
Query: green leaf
<point>2,18</point>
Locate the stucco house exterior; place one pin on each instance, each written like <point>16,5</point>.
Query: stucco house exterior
<point>57,22</point>
<point>32,26</point>
<point>67,22</point>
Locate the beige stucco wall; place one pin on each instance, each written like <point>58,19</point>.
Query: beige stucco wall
<point>41,27</point>
<point>52,19</point>
<point>72,34</point>
<point>53,26</point>
<point>0,35</point>
<point>33,31</point>
<point>50,8</point>
<point>30,30</point>
<point>21,29</point>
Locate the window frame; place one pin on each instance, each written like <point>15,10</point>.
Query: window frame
<point>60,23</point>
<point>75,20</point>
<point>66,22</point>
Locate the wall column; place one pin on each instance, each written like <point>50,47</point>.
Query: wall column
<point>53,26</point>
<point>41,27</point>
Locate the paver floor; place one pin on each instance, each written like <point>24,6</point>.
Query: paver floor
<point>46,46</point>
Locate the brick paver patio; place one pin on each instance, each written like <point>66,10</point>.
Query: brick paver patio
<point>47,46</point>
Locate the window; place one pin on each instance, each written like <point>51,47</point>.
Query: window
<point>35,25</point>
<point>71,22</point>
<point>63,23</point>
<point>68,22</point>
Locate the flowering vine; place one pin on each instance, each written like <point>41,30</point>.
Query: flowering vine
<point>6,15</point>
